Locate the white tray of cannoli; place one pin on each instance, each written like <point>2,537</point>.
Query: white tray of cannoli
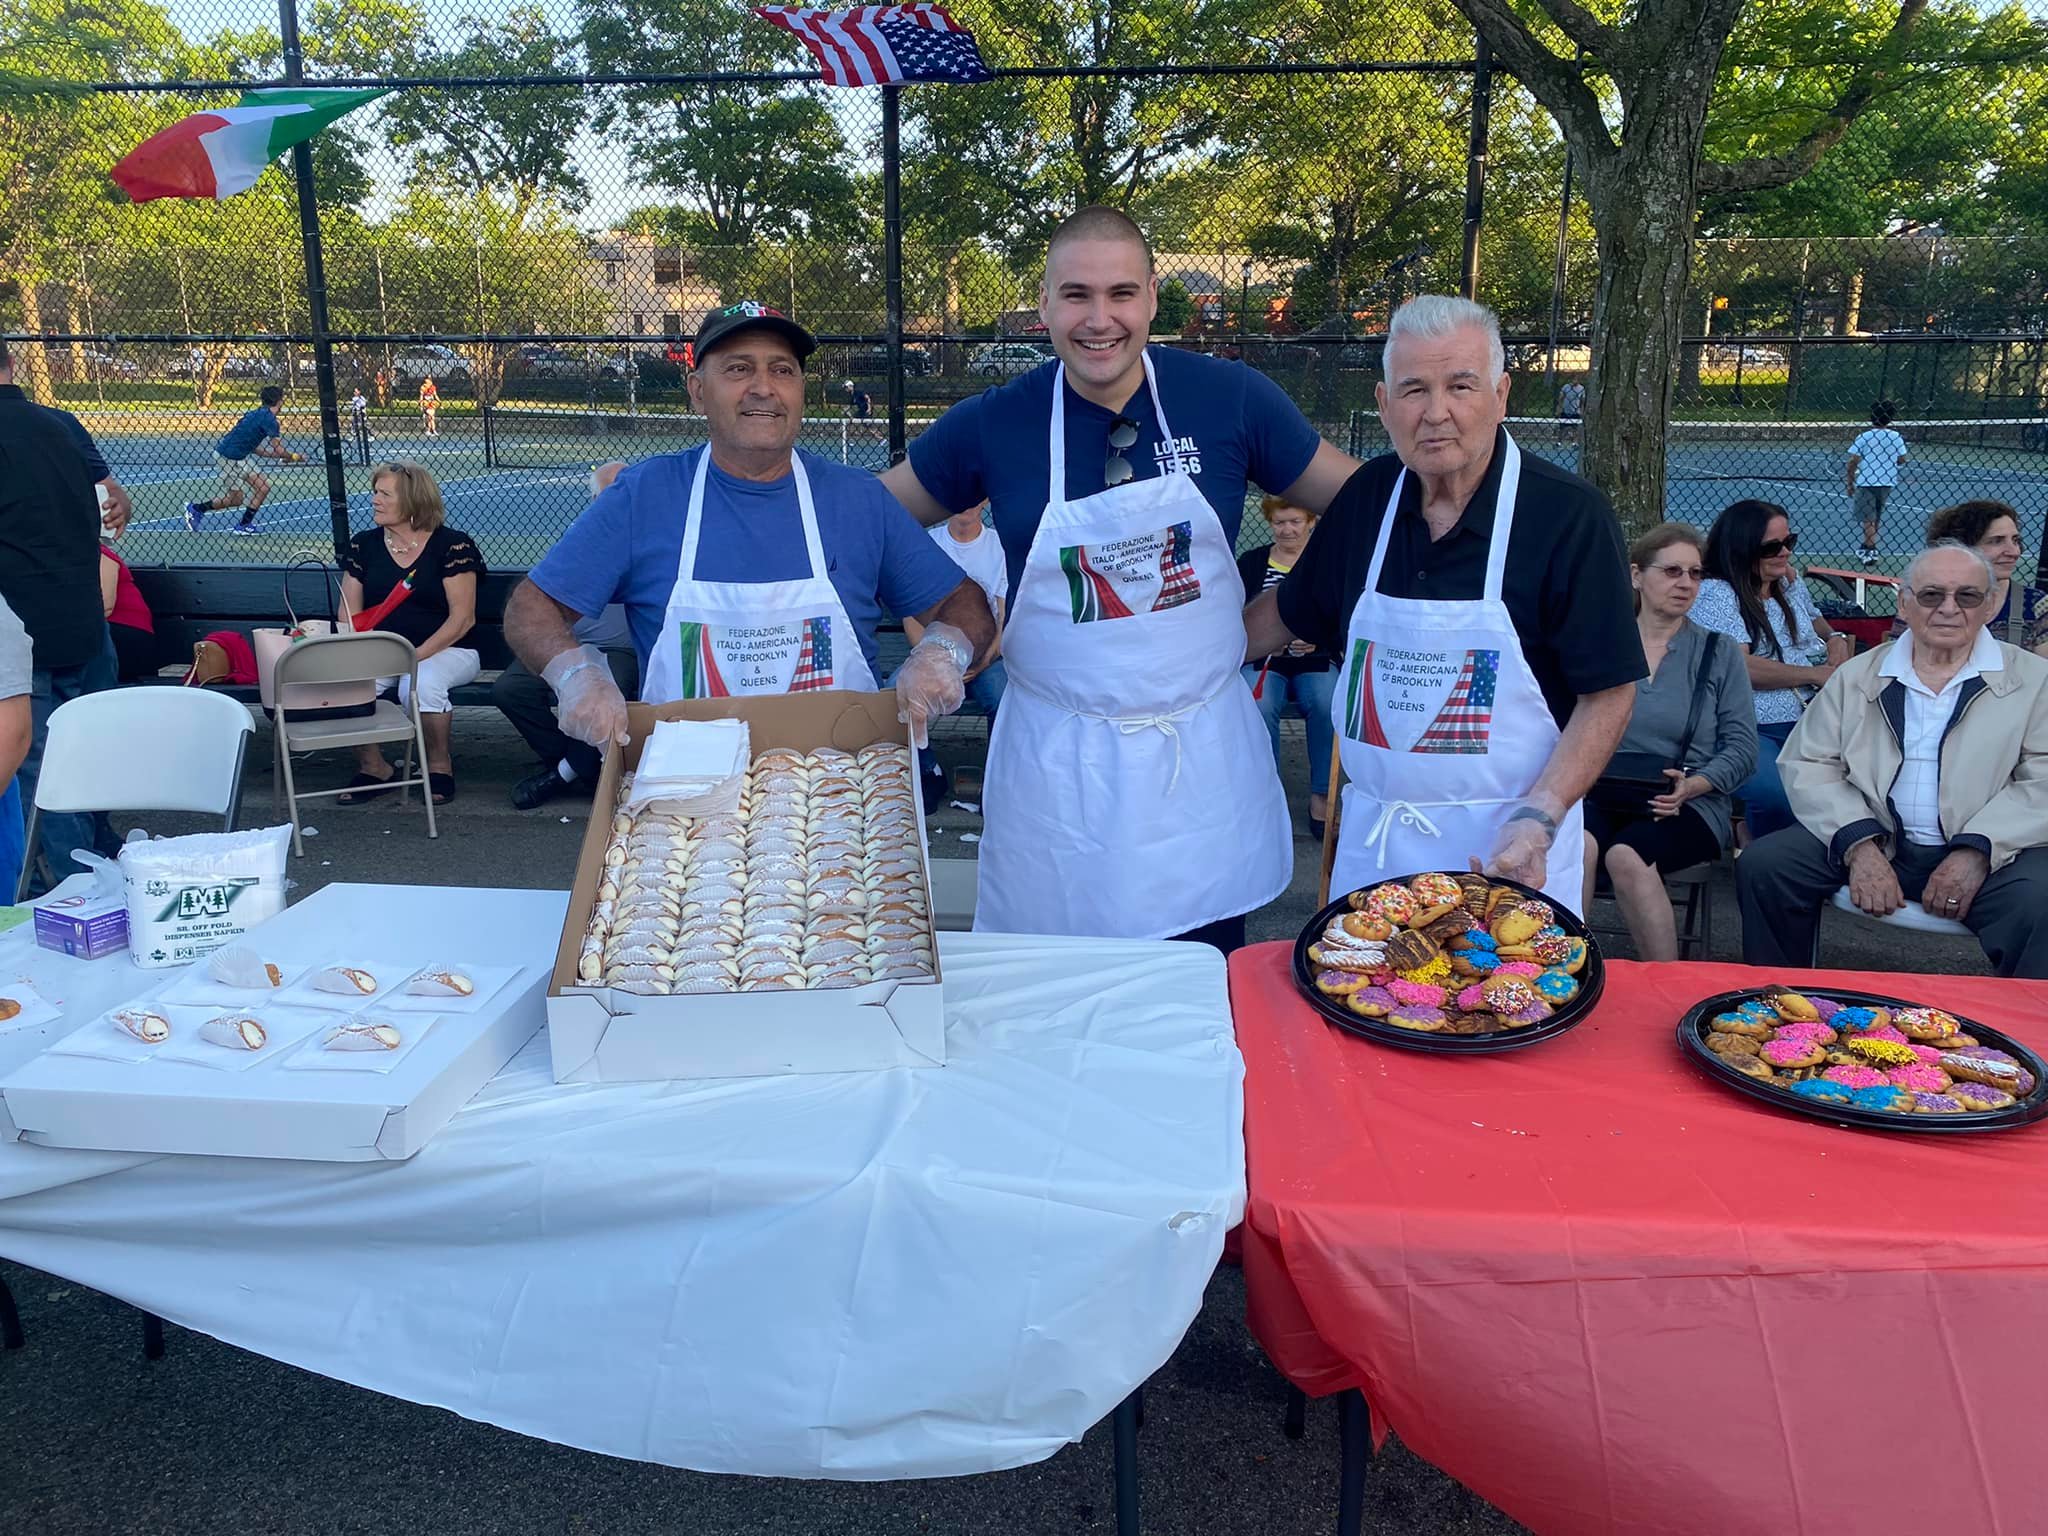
<point>791,932</point>
<point>269,1049</point>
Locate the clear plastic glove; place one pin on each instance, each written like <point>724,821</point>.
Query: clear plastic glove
<point>587,700</point>
<point>1521,849</point>
<point>933,680</point>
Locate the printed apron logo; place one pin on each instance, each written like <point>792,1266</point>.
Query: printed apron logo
<point>771,658</point>
<point>1420,701</point>
<point>1146,573</point>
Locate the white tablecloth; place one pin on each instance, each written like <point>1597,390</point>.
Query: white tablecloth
<point>874,1275</point>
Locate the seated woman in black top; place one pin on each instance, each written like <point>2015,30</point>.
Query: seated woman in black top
<point>413,575</point>
<point>1301,673</point>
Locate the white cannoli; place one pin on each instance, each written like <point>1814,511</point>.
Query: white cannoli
<point>344,978</point>
<point>235,1031</point>
<point>364,1035</point>
<point>149,1028</point>
<point>441,981</point>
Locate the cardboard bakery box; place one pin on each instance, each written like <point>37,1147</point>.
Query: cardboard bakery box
<point>271,1110</point>
<point>597,1034</point>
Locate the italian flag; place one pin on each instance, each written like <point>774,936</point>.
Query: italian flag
<point>219,153</point>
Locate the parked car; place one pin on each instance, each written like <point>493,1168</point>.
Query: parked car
<point>429,359</point>
<point>1749,357</point>
<point>552,363</point>
<point>243,366</point>
<point>873,362</point>
<point>106,362</point>
<point>1006,359</point>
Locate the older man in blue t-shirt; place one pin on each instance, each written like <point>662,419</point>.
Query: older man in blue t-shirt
<point>746,566</point>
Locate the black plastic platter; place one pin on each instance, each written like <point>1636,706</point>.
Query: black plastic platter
<point>1692,1037</point>
<point>1592,977</point>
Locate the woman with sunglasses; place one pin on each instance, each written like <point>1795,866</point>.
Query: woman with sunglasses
<point>2019,615</point>
<point>1663,804</point>
<point>1753,596</point>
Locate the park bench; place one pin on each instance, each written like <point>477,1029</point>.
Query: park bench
<point>191,601</point>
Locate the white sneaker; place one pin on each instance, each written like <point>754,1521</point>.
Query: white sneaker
<point>1868,556</point>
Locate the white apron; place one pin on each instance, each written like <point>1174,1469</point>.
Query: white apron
<point>1441,725</point>
<point>1131,791</point>
<point>726,638</point>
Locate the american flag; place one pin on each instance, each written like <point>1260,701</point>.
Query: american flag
<point>1466,720</point>
<point>814,660</point>
<point>1177,583</point>
<point>876,44</point>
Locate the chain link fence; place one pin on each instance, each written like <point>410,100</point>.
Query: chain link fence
<point>549,199</point>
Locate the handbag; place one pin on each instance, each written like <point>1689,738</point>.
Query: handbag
<point>309,701</point>
<point>1633,779</point>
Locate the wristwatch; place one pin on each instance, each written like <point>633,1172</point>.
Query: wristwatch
<point>1531,813</point>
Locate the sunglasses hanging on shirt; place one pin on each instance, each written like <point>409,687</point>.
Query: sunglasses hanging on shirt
<point>1123,435</point>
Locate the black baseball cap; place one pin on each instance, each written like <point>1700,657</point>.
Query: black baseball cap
<point>751,315</point>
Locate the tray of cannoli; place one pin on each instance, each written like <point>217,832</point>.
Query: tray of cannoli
<point>1457,964</point>
<point>1864,1059</point>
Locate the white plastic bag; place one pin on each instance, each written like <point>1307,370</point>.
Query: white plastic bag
<point>188,896</point>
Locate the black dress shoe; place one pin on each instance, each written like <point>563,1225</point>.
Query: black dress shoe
<point>1316,829</point>
<point>543,785</point>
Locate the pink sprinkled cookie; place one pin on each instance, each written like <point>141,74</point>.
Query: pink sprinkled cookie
<point>1415,993</point>
<point>1517,968</point>
<point>1472,999</point>
<point>1884,1032</point>
<point>1389,901</point>
<point>1791,1053</point>
<point>1807,1029</point>
<point>1855,1077</point>
<point>1918,1078</point>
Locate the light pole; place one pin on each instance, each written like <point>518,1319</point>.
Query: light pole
<point>1244,297</point>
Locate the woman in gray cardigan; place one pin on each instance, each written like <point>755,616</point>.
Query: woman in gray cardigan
<point>1641,835</point>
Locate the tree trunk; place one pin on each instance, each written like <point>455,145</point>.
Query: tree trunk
<point>952,323</point>
<point>211,372</point>
<point>74,322</point>
<point>1852,306</point>
<point>32,359</point>
<point>1644,211</point>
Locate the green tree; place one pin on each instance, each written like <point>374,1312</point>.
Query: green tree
<point>515,143</point>
<point>61,139</point>
<point>756,162</point>
<point>1631,89</point>
<point>1176,307</point>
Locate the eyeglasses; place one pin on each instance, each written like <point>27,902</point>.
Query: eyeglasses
<point>1673,572</point>
<point>1116,469</point>
<point>1771,548</point>
<point>1931,598</point>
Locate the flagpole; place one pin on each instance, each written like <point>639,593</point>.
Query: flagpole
<point>316,292</point>
<point>892,262</point>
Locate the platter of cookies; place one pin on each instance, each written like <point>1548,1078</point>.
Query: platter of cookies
<point>1456,964</point>
<point>1858,1058</point>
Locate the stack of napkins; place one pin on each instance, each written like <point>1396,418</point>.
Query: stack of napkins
<point>692,767</point>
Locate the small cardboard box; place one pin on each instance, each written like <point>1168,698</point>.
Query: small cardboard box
<point>599,1035</point>
<point>86,926</point>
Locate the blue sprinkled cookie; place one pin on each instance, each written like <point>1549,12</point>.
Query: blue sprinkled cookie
<point>1852,1021</point>
<point>1757,1008</point>
<point>1557,986</point>
<point>1479,938</point>
<point>1897,1100</point>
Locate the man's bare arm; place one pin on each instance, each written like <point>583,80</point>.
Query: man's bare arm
<point>537,627</point>
<point>966,609</point>
<point>1265,633</point>
<point>904,485</point>
<point>1322,480</point>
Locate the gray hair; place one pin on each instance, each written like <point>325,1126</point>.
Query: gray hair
<point>1945,547</point>
<point>1436,316</point>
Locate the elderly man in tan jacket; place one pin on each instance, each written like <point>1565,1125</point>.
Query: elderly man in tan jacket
<point>1920,772</point>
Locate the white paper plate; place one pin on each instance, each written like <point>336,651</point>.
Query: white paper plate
<point>285,1028</point>
<point>194,987</point>
<point>303,994</point>
<point>104,1040</point>
<point>35,1008</point>
<point>313,1055</point>
<point>490,981</point>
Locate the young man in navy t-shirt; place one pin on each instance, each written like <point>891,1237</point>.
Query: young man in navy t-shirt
<point>256,435</point>
<point>1231,427</point>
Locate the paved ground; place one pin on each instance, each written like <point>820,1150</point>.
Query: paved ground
<point>95,1442</point>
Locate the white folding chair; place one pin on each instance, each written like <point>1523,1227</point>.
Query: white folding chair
<point>328,659</point>
<point>140,749</point>
<point>1912,915</point>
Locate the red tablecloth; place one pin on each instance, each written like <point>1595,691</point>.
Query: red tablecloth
<point>1612,1296</point>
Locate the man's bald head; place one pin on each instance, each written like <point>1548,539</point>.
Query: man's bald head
<point>1096,222</point>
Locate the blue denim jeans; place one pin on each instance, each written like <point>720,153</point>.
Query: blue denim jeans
<point>1764,807</point>
<point>1311,693</point>
<point>11,834</point>
<point>57,836</point>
